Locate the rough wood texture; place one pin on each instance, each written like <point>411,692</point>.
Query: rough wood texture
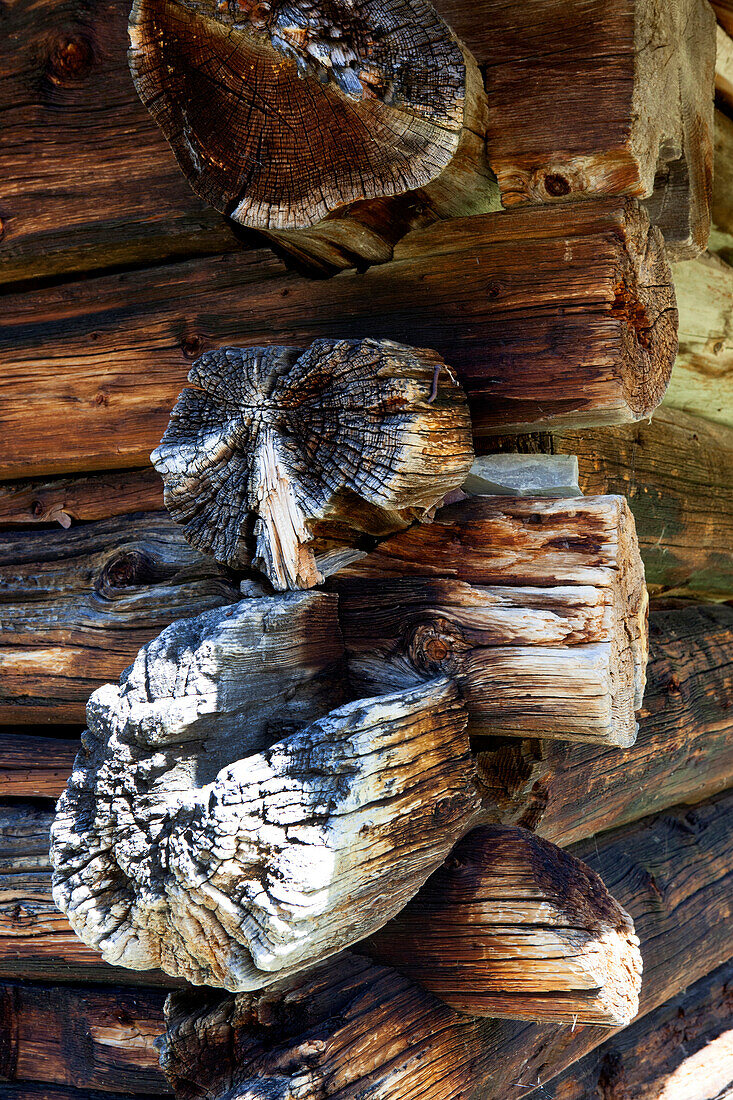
<point>682,1051</point>
<point>581,293</point>
<point>78,604</point>
<point>229,857</point>
<point>676,472</point>
<point>724,11</point>
<point>354,1029</point>
<point>286,117</point>
<point>536,607</point>
<point>635,80</point>
<point>80,1038</point>
<point>81,499</point>
<point>511,926</point>
<point>273,450</point>
<point>35,766</point>
<point>723,182</point>
<point>724,67</point>
<point>702,379</point>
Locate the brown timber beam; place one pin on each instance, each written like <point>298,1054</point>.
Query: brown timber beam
<point>581,293</point>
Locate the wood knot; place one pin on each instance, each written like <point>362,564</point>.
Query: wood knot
<point>70,60</point>
<point>129,569</point>
<point>434,646</point>
<point>556,185</point>
<point>192,345</point>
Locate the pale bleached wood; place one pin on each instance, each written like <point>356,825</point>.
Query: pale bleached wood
<point>272,449</point>
<point>724,66</point>
<point>511,926</point>
<point>536,607</point>
<point>232,842</point>
<point>354,105</point>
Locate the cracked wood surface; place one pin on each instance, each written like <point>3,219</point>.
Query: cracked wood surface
<point>536,607</point>
<point>272,452</point>
<point>353,1028</point>
<point>225,823</point>
<point>582,293</point>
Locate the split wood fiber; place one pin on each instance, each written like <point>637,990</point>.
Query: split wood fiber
<point>635,81</point>
<point>684,1049</point>
<point>369,1031</point>
<point>511,926</point>
<point>273,453</point>
<point>356,105</point>
<point>282,839</point>
<point>537,608</point>
<point>581,292</point>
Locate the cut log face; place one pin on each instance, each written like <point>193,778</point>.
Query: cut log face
<point>280,114</point>
<point>511,925</point>
<point>537,608</point>
<point>275,447</point>
<point>193,836</point>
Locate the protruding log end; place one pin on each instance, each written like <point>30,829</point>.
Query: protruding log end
<point>226,824</point>
<point>512,926</point>
<point>276,449</point>
<point>537,608</point>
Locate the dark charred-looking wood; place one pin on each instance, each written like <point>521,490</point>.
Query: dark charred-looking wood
<point>81,1038</point>
<point>686,1044</point>
<point>511,926</point>
<point>222,788</point>
<point>285,116</point>
<point>536,607</point>
<point>275,452</point>
<point>581,293</point>
<point>79,603</point>
<point>645,129</point>
<point>365,1031</point>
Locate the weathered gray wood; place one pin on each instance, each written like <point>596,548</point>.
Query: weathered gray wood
<point>581,293</point>
<point>354,106</point>
<point>536,607</point>
<point>511,926</point>
<point>273,450</point>
<point>519,475</point>
<point>79,603</point>
<point>353,1029</point>
<point>232,845</point>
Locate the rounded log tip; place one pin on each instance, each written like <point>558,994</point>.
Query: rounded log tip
<point>280,114</point>
<point>276,448</point>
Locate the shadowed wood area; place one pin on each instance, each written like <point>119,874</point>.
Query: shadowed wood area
<point>112,353</point>
<point>511,926</point>
<point>684,1050</point>
<point>373,1032</point>
<point>684,752</point>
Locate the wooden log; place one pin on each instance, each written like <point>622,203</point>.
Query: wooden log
<point>676,472</point>
<point>701,379</point>
<point>279,844</point>
<point>583,293</point>
<point>353,1028</point>
<point>355,106</point>
<point>511,926</point>
<point>82,1038</point>
<point>273,451</point>
<point>80,499</point>
<point>78,604</point>
<point>682,1050</point>
<point>536,607</point>
<point>724,11</point>
<point>644,128</point>
<point>35,766</point>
